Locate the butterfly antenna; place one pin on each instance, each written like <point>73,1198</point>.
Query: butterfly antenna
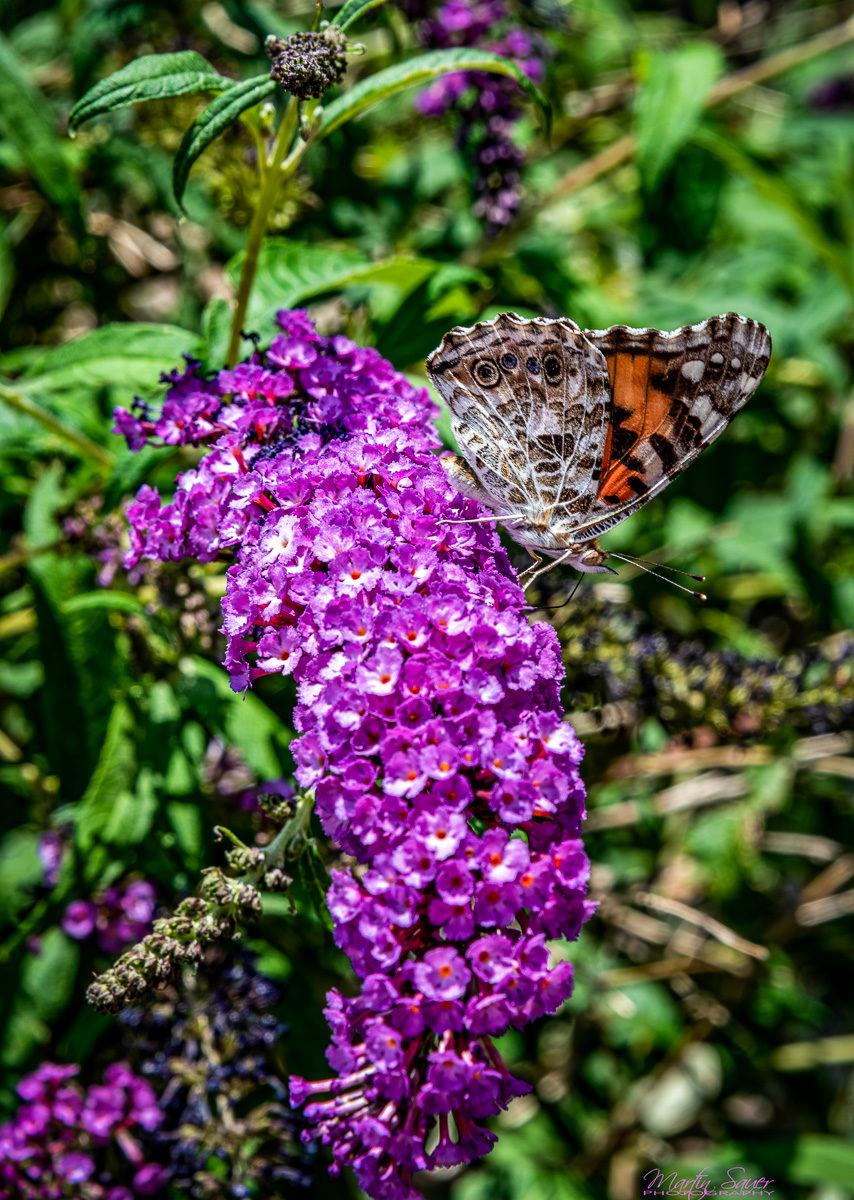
<point>563,603</point>
<point>480,520</point>
<point>649,562</point>
<point>636,562</point>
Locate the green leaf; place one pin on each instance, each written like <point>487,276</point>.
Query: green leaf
<point>48,975</point>
<point>124,355</point>
<point>289,273</point>
<point>111,780</point>
<point>20,871</point>
<point>821,1159</point>
<point>670,101</point>
<point>186,822</point>
<point>81,665</point>
<point>776,191</point>
<point>23,1031</point>
<point>353,10</point>
<point>423,69</point>
<point>216,331</point>
<point>27,121</point>
<point>248,723</point>
<point>150,77</point>
<point>130,469</point>
<point>104,598</point>
<point>216,118</point>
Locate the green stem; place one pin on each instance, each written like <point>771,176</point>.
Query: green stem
<point>85,445</point>
<point>272,176</point>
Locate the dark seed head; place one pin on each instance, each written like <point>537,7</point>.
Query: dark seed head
<point>308,64</point>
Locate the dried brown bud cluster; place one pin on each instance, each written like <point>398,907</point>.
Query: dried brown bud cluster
<point>174,941</point>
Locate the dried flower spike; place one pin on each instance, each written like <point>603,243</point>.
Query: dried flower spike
<point>308,64</point>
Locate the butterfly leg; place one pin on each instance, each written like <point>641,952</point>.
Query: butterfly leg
<point>537,560</point>
<point>554,563</point>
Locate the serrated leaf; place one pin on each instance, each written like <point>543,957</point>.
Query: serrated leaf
<point>150,77</point>
<point>353,10</point>
<point>112,778</point>
<point>127,355</point>
<point>81,662</point>
<point>27,121</point>
<point>289,272</point>
<point>423,69</point>
<point>670,101</point>
<point>216,118</point>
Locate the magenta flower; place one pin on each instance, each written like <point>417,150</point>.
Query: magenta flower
<point>428,723</point>
<point>119,915</point>
<point>58,1143</point>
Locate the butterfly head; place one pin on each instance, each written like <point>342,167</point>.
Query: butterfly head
<point>590,558</point>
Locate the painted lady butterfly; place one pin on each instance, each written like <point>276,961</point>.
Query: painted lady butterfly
<point>566,432</point>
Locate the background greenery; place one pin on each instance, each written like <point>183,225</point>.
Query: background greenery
<point>689,171</point>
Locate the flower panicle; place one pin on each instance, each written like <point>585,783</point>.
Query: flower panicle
<point>428,729</point>
<point>226,902</point>
<point>308,64</point>
<point>209,1044</point>
<point>63,1138</point>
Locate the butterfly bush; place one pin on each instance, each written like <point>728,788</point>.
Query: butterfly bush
<point>489,104</point>
<point>428,723</point>
<point>59,1142</point>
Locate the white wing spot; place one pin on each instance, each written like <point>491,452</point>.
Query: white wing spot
<point>702,408</point>
<point>735,363</point>
<point>694,370</point>
<point>717,359</point>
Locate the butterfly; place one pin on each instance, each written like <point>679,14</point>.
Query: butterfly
<point>565,432</point>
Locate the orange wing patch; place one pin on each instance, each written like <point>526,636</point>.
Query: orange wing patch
<point>671,395</point>
<point>641,410</point>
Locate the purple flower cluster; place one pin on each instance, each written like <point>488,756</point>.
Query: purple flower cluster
<point>429,726</point>
<point>489,104</point>
<point>118,916</point>
<point>51,851</point>
<point>56,1144</point>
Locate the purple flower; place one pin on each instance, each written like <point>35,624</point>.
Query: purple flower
<point>119,915</point>
<point>78,921</point>
<point>75,1167</point>
<point>57,1143</point>
<point>489,105</point>
<point>427,720</point>
<point>51,851</point>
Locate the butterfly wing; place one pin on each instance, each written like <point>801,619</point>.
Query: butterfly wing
<point>672,395</point>
<point>529,403</point>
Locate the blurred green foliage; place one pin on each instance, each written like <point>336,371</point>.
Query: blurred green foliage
<point>711,1022</point>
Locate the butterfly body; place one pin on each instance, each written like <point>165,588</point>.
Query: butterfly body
<point>564,432</point>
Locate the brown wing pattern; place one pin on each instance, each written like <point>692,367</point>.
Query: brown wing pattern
<point>673,394</point>
<point>529,401</point>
